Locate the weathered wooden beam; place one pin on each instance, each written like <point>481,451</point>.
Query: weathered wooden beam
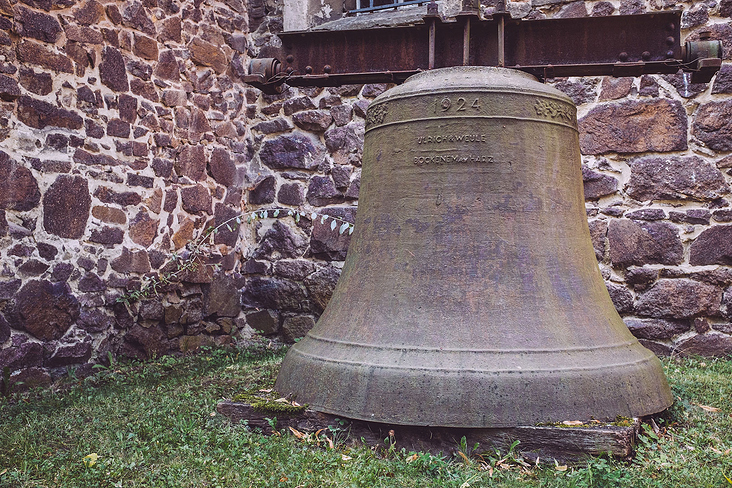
<point>563,443</point>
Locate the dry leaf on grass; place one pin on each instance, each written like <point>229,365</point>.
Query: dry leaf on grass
<point>707,408</point>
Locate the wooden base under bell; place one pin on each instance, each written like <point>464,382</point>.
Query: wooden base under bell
<point>564,443</point>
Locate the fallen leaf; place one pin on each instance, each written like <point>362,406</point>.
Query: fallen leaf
<point>728,480</point>
<point>707,408</point>
<point>563,467</point>
<point>573,422</point>
<point>411,458</point>
<point>282,400</point>
<point>297,433</point>
<point>266,391</point>
<point>90,459</point>
<point>467,460</point>
<point>716,451</point>
<point>3,471</point>
<point>346,458</point>
<point>330,443</point>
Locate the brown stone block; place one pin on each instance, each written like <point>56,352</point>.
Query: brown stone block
<point>36,25</point>
<point>9,90</point>
<point>40,114</point>
<point>32,52</point>
<point>131,262</point>
<point>18,188</point>
<point>145,47</point>
<point>147,90</point>
<point>167,67</point>
<point>66,207</point>
<point>83,34</point>
<point>227,234</point>
<point>112,70</point>
<point>313,120</point>
<point>89,13</point>
<point>83,157</point>
<point>118,128</point>
<point>597,185</point>
<point>136,16</point>
<point>713,344</point>
<point>169,29</point>
<point>107,195</point>
<point>675,178</point>
<point>639,243</point>
<point>143,229</point>
<point>32,267</point>
<point>191,162</point>
<point>196,199</point>
<point>3,227</point>
<point>46,309</point>
<point>679,299</point>
<point>38,83</point>
<point>296,327</point>
<point>634,127</point>
<point>296,151</point>
<point>657,329</point>
<point>127,106</point>
<point>222,167</point>
<point>175,98</point>
<point>713,246</point>
<point>322,191</point>
<point>107,235</point>
<point>206,54</point>
<point>713,125</point>
<point>615,88</point>
<point>184,234</point>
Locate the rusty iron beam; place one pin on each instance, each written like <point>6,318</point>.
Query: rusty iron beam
<point>628,45</point>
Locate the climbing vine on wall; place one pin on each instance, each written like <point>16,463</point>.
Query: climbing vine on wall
<point>194,252</point>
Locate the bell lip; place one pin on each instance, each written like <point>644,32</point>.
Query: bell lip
<point>650,394</point>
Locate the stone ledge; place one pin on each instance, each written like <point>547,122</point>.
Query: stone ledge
<point>561,443</point>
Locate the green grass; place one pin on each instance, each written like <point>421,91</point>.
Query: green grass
<point>153,424</point>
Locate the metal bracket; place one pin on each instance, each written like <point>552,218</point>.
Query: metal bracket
<point>628,45</point>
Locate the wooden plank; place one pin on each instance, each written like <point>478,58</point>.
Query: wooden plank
<point>565,443</point>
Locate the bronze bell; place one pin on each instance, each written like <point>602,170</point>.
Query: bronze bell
<point>471,296</point>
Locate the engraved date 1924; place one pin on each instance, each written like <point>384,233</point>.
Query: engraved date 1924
<point>460,104</point>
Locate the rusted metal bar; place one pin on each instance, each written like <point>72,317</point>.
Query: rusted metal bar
<point>628,45</point>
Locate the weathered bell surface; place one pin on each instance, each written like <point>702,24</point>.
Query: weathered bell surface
<point>471,296</point>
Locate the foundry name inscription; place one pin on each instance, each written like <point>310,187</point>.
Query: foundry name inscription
<point>452,138</point>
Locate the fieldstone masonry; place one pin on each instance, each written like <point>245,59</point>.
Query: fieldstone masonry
<point>125,132</point>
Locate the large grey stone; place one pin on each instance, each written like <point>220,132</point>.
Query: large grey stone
<point>679,299</point>
<point>634,127</point>
<point>713,246</point>
<point>713,125</point>
<point>296,151</point>
<point>46,310</point>
<point>639,243</point>
<point>66,206</point>
<point>675,178</point>
<point>18,187</point>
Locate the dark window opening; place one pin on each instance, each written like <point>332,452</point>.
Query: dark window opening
<point>373,5</point>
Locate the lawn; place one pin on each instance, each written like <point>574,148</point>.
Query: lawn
<point>154,424</point>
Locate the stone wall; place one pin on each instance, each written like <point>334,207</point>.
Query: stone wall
<point>126,132</point>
